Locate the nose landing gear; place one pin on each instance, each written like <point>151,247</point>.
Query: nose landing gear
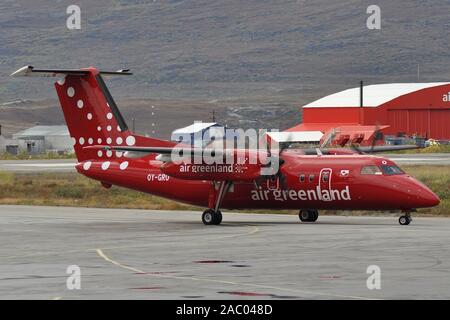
<point>308,215</point>
<point>405,219</point>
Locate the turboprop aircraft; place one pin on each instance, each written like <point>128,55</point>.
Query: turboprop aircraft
<point>338,179</point>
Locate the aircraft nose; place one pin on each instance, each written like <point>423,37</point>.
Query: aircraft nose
<point>428,198</point>
<point>420,195</point>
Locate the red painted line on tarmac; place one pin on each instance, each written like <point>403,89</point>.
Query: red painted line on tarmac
<point>148,288</point>
<point>213,261</point>
<point>250,294</point>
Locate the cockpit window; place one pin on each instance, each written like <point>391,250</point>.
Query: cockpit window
<point>391,169</point>
<point>370,170</point>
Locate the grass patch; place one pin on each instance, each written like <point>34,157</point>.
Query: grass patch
<point>72,189</point>
<point>442,148</point>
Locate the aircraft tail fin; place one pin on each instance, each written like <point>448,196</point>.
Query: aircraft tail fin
<point>91,114</point>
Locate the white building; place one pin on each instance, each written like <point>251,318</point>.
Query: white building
<point>39,139</point>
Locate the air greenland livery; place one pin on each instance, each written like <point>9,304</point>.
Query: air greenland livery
<point>107,151</point>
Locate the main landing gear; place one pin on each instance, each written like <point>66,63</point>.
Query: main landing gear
<point>308,215</point>
<point>211,216</point>
<point>214,216</point>
<point>405,219</point>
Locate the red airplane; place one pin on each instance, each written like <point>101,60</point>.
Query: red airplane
<point>338,179</point>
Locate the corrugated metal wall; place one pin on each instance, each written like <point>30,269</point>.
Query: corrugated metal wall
<point>440,120</point>
<point>422,122</point>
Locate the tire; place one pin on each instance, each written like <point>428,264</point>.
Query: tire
<point>208,217</point>
<point>314,214</point>
<point>308,215</point>
<point>404,220</point>
<point>218,217</point>
<point>211,217</point>
<point>304,215</point>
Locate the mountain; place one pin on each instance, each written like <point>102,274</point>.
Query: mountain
<point>254,59</point>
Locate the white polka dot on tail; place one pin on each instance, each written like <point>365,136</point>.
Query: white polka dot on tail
<point>81,140</point>
<point>108,128</point>
<point>70,92</point>
<point>99,140</point>
<point>99,153</point>
<point>87,165</point>
<point>123,165</point>
<point>62,81</point>
<point>105,165</point>
<point>90,141</point>
<point>89,116</point>
<point>99,128</point>
<point>108,140</point>
<point>109,153</point>
<point>80,104</point>
<point>119,140</point>
<point>130,140</point>
<point>109,115</point>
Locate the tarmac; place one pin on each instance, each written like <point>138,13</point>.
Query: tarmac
<point>141,254</point>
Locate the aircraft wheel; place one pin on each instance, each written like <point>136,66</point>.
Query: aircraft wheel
<point>211,217</point>
<point>308,215</point>
<point>314,215</point>
<point>208,217</point>
<point>218,215</point>
<point>404,220</point>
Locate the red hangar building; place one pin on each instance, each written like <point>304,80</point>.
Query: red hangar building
<point>412,109</point>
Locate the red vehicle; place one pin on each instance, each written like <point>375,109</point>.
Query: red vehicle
<point>107,151</point>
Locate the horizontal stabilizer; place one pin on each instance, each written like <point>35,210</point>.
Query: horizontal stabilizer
<point>30,71</point>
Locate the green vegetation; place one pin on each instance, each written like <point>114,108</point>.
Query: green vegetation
<point>72,189</point>
<point>45,156</point>
<point>442,148</point>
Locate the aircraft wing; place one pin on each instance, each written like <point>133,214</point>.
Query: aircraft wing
<point>162,150</point>
<point>377,149</point>
<point>356,150</point>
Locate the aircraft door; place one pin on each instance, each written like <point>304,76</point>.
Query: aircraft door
<point>325,179</point>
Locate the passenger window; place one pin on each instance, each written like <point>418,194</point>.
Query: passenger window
<point>325,177</point>
<point>370,170</point>
<point>311,178</point>
<point>302,178</point>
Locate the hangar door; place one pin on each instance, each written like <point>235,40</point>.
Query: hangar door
<point>398,120</point>
<point>440,124</point>
<point>418,123</point>
<point>423,122</point>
